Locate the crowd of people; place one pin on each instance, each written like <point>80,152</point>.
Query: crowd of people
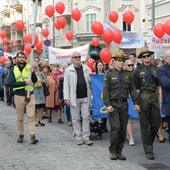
<point>43,88</point>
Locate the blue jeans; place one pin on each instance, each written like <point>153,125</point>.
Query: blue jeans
<point>68,115</point>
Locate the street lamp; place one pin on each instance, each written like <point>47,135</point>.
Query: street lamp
<point>153,13</point>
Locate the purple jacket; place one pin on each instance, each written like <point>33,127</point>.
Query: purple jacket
<point>163,74</point>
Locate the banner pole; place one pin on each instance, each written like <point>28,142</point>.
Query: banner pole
<point>33,42</point>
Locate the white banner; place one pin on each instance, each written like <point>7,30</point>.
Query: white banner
<point>60,56</point>
<point>159,46</point>
<point>129,40</point>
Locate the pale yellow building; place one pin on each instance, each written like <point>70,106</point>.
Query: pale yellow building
<point>91,10</point>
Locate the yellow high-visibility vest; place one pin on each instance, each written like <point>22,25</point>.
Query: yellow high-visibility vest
<point>20,77</point>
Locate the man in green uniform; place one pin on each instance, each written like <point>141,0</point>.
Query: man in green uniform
<point>118,84</point>
<point>146,82</point>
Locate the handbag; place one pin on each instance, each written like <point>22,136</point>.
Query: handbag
<point>45,88</point>
<point>46,91</point>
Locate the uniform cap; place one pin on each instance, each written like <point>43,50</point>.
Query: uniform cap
<point>144,50</point>
<point>119,54</point>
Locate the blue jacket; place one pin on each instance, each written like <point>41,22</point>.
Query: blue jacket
<point>163,74</point>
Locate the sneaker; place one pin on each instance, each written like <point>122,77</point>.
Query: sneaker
<point>79,142</point>
<point>131,142</point>
<point>88,142</point>
<point>20,139</point>
<point>69,123</point>
<point>150,156</point>
<point>113,156</point>
<point>120,156</point>
<point>34,140</point>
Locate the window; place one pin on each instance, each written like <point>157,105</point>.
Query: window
<point>90,18</point>
<point>126,27</point>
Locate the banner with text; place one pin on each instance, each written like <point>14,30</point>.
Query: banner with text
<point>159,46</point>
<point>129,40</point>
<point>60,56</point>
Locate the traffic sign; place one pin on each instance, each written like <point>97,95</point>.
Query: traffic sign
<point>47,43</point>
<point>1,51</point>
<point>46,52</point>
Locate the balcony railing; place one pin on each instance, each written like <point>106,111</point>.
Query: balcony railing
<point>39,19</point>
<point>15,3</point>
<point>62,42</point>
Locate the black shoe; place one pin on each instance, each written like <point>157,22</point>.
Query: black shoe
<point>120,156</point>
<point>34,140</point>
<point>20,139</point>
<point>42,124</point>
<point>9,104</point>
<point>60,121</point>
<point>113,156</point>
<point>105,130</point>
<point>150,156</point>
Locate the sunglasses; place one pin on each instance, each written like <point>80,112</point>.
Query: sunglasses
<point>120,59</point>
<point>76,57</point>
<point>21,56</point>
<point>144,56</point>
<point>130,65</point>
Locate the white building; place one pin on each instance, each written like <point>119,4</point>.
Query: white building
<point>91,10</point>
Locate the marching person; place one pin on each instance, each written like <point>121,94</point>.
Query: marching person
<point>77,95</point>
<point>118,83</point>
<point>19,78</point>
<point>146,82</point>
<point>163,73</point>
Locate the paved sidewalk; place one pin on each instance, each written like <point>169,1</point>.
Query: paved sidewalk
<point>56,150</point>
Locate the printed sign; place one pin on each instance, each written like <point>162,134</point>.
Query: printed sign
<point>129,40</point>
<point>60,56</point>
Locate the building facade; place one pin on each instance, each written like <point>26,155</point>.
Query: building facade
<point>91,10</point>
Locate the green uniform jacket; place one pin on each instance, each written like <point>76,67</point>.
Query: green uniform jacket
<point>112,90</point>
<point>141,78</point>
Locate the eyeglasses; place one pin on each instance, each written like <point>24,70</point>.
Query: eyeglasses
<point>76,57</point>
<point>144,56</point>
<point>120,59</point>
<point>130,65</point>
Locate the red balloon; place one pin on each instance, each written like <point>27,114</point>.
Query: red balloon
<point>5,40</point>
<point>107,36</point>
<point>20,25</point>
<point>90,63</point>
<point>3,34</point>
<point>128,17</point>
<point>27,49</point>
<point>45,32</point>
<point>5,48</point>
<point>36,38</point>
<point>117,36</point>
<point>2,59</point>
<point>26,54</point>
<point>11,42</point>
<point>69,35</point>
<point>56,25</point>
<point>95,41</point>
<point>167,27</point>
<point>105,55</point>
<point>39,46</point>
<point>97,28</point>
<point>62,22</point>
<point>113,16</point>
<point>60,7</point>
<point>158,30</point>
<point>76,14</point>
<point>49,10</point>
<point>26,38</point>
